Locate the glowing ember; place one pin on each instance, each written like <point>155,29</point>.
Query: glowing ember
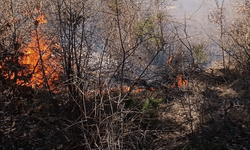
<point>138,90</point>
<point>119,88</point>
<point>152,89</point>
<point>126,89</point>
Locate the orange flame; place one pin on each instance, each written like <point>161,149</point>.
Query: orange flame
<point>180,82</point>
<point>152,89</point>
<point>119,88</point>
<point>47,66</point>
<point>41,20</point>
<point>138,90</point>
<point>170,59</point>
<point>126,89</point>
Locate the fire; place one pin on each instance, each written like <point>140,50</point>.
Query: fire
<point>126,89</point>
<point>41,64</point>
<point>152,89</point>
<point>181,82</point>
<point>41,20</point>
<point>138,90</point>
<point>170,59</point>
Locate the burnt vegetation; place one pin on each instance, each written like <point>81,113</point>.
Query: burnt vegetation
<point>115,74</point>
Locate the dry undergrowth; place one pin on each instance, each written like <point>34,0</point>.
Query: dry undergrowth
<point>212,114</point>
<point>207,113</point>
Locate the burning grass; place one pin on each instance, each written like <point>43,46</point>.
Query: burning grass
<point>194,118</point>
<point>167,117</point>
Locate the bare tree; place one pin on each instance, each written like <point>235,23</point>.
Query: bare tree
<point>218,17</point>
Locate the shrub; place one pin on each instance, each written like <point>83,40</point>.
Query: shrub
<point>150,105</point>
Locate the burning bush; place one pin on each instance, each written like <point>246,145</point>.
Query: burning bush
<point>34,65</point>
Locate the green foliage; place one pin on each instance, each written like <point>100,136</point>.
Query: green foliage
<point>146,28</point>
<point>199,54</point>
<point>150,105</point>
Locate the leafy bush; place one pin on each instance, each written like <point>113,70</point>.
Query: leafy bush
<point>150,105</point>
<point>147,29</point>
<point>199,54</point>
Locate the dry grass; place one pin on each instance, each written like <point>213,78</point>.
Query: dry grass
<point>207,113</point>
